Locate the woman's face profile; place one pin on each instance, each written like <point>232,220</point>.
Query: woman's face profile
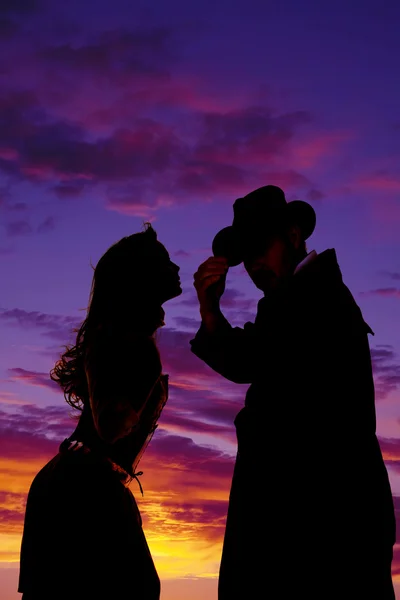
<point>164,274</point>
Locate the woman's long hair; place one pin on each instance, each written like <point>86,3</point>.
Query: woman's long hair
<point>120,293</point>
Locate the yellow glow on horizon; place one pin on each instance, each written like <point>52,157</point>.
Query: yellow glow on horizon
<point>176,558</point>
<point>183,543</point>
<point>10,544</point>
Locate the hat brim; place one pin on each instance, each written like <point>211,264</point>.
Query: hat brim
<point>228,243</point>
<point>303,215</point>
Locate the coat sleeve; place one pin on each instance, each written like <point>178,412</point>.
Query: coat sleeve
<point>233,352</point>
<point>121,375</point>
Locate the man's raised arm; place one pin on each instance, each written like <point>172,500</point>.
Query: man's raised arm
<point>231,351</point>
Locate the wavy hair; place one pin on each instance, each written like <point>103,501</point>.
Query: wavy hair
<point>113,298</point>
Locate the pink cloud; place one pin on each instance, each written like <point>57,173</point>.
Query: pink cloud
<point>386,370</point>
<point>21,445</point>
<point>8,154</point>
<point>307,153</point>
<point>381,182</point>
<point>389,292</point>
<point>390,448</point>
<point>382,187</point>
<point>151,165</point>
<point>113,130</point>
<point>137,203</point>
<point>32,378</point>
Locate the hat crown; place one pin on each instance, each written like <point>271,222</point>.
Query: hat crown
<point>265,202</point>
<point>270,191</point>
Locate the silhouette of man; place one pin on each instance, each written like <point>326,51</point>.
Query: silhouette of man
<point>310,510</point>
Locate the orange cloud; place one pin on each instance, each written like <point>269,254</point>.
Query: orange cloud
<point>185,486</point>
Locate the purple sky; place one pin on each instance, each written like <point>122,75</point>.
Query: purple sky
<point>112,113</point>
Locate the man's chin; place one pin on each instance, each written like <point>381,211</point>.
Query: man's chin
<point>268,289</point>
<point>265,281</point>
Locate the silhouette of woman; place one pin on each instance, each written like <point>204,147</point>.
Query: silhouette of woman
<point>83,536</point>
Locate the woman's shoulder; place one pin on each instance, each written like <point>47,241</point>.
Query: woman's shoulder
<point>70,469</point>
<point>51,478</point>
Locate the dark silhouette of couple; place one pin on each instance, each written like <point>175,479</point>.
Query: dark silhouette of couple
<point>310,511</point>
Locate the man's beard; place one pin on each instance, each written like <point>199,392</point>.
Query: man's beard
<point>269,282</point>
<point>265,280</point>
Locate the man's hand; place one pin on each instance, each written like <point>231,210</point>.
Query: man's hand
<point>209,282</point>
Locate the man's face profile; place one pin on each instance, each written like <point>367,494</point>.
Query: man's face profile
<point>273,262</point>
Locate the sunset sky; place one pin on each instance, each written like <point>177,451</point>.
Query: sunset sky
<point>114,112</point>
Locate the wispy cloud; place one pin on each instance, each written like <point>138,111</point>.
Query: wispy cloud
<point>386,368</point>
<point>56,327</point>
<point>393,275</point>
<point>386,292</point>
<point>18,228</point>
<point>32,378</point>
<point>381,182</point>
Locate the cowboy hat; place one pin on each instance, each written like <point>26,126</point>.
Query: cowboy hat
<point>256,217</point>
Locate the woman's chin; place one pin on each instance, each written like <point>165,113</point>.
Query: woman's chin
<point>177,291</point>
